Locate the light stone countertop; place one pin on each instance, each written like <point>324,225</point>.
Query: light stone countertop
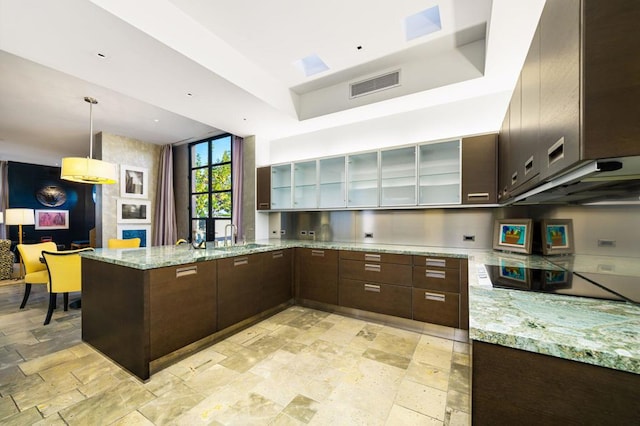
<point>599,332</point>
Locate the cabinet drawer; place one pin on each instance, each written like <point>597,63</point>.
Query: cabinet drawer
<point>437,262</point>
<point>381,298</point>
<point>401,259</point>
<point>317,275</point>
<point>437,307</point>
<point>389,273</point>
<point>436,279</point>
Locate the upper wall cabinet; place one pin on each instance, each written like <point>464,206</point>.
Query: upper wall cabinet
<point>281,187</point>
<point>332,182</point>
<point>398,177</point>
<point>480,169</point>
<point>305,185</point>
<point>362,180</point>
<point>439,173</point>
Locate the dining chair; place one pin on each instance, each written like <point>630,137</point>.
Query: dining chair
<point>115,243</point>
<point>64,269</point>
<point>35,272</point>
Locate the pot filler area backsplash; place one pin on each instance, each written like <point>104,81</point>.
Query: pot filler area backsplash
<point>598,230</point>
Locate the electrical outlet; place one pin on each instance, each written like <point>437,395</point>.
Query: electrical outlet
<point>274,232</point>
<point>606,243</point>
<point>303,232</point>
<point>368,234</point>
<point>283,231</point>
<point>468,238</point>
<point>312,233</point>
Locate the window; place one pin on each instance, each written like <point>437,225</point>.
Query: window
<point>211,201</point>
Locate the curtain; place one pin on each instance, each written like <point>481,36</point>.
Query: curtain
<point>4,194</point>
<point>164,223</point>
<point>236,183</point>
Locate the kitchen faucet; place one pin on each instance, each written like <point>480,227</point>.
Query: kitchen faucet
<point>232,233</point>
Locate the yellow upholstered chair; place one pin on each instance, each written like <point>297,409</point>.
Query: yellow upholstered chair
<point>115,243</point>
<point>65,275</point>
<point>35,272</point>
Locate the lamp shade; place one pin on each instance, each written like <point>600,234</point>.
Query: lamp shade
<point>19,217</point>
<point>88,170</point>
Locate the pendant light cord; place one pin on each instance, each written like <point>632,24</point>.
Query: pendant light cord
<point>91,101</point>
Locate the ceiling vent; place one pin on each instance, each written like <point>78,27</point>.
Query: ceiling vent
<point>375,84</point>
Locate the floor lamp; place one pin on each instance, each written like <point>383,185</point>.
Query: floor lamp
<point>19,217</point>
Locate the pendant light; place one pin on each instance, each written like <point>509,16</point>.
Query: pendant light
<point>88,170</point>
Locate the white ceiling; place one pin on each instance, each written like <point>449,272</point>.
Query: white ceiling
<point>235,59</point>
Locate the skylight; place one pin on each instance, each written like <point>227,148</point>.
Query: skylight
<point>422,23</point>
<point>311,65</point>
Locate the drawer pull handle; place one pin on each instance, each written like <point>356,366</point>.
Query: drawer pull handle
<point>478,196</point>
<point>277,255</point>
<point>262,205</point>
<point>528,166</point>
<point>372,257</point>
<point>371,287</point>
<point>556,152</point>
<point>441,263</point>
<point>318,253</point>
<point>436,297</point>
<point>241,261</point>
<point>435,274</point>
<point>514,178</point>
<point>187,270</point>
<point>371,268</point>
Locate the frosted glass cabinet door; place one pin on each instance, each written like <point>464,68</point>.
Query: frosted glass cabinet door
<point>281,187</point>
<point>398,177</point>
<point>439,169</point>
<point>305,194</point>
<point>332,182</point>
<point>362,180</point>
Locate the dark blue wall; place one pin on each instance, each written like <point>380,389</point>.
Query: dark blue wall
<point>26,179</point>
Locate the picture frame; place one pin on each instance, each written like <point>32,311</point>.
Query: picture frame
<point>135,231</point>
<point>557,236</point>
<point>513,235</point>
<point>51,219</point>
<point>134,182</point>
<point>133,211</point>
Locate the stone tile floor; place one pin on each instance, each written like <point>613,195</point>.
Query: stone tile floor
<point>300,366</point>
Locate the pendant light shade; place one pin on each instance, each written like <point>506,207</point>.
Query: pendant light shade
<point>88,170</point>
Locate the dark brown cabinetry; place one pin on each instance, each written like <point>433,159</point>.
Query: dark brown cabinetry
<point>317,275</point>
<point>263,188</point>
<point>277,283</point>
<point>376,282</point>
<point>480,169</point>
<point>239,288</point>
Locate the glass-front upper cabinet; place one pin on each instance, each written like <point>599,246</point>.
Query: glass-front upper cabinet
<point>332,182</point>
<point>439,173</point>
<point>281,187</point>
<point>305,188</point>
<point>398,177</point>
<point>362,180</point>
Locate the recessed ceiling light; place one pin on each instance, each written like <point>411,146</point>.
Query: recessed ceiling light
<point>156,120</point>
<point>189,94</point>
<point>422,23</point>
<point>311,65</point>
<point>101,55</point>
<point>359,47</point>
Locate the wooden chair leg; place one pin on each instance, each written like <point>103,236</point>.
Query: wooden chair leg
<point>65,296</point>
<point>27,292</point>
<point>53,299</point>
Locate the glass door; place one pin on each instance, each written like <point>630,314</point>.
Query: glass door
<point>281,187</point>
<point>362,180</point>
<point>332,182</point>
<point>398,177</point>
<point>305,195</point>
<point>439,170</point>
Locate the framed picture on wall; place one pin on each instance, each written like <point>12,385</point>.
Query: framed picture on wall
<point>52,219</point>
<point>514,235</point>
<point>133,211</point>
<point>557,236</point>
<point>134,182</point>
<point>135,231</point>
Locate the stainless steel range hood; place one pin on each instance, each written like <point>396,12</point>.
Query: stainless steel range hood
<point>607,181</point>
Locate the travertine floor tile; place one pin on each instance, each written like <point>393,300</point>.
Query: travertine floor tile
<point>400,415</point>
<point>428,375</point>
<point>423,399</point>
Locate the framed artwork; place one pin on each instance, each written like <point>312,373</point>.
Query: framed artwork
<point>52,219</point>
<point>557,236</point>
<point>514,235</point>
<point>135,231</point>
<point>133,211</point>
<point>134,182</point>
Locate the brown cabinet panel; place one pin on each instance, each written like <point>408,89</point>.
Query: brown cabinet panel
<point>437,261</point>
<point>390,273</point>
<point>375,297</point>
<point>436,278</point>
<point>504,179</point>
<point>263,188</point>
<point>239,288</point>
<point>277,278</point>
<point>515,141</point>
<point>480,169</point>
<point>401,259</point>
<point>528,156</point>
<point>437,307</point>
<point>317,275</point>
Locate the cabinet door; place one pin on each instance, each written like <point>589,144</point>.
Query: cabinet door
<point>305,195</point>
<point>263,188</point>
<point>182,306</point>
<point>277,282</point>
<point>559,85</point>
<point>437,307</point>
<point>281,187</point>
<point>332,182</point>
<point>480,169</point>
<point>515,141</point>
<point>504,179</point>
<point>239,288</point>
<point>362,180</point>
<point>317,275</point>
<point>439,171</point>
<point>529,158</point>
<point>398,177</point>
